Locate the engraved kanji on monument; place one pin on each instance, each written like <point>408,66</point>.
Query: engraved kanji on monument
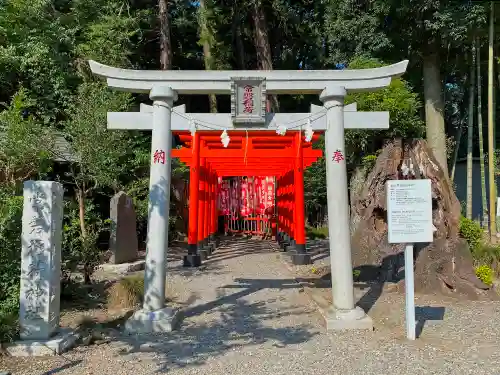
<point>41,259</point>
<point>123,238</point>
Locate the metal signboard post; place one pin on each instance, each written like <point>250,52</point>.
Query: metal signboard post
<point>409,218</point>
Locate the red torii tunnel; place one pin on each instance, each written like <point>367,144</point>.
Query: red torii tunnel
<point>249,153</point>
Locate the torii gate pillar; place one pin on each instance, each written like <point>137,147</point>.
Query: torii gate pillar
<point>154,316</point>
<point>345,315</point>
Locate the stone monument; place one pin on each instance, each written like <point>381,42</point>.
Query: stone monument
<point>123,239</point>
<point>41,272</point>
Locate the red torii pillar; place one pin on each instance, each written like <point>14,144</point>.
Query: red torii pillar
<point>201,210</point>
<point>299,256</point>
<point>193,259</point>
<point>213,213</point>
<point>207,209</point>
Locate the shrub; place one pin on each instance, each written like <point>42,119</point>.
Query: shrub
<point>11,209</point>
<point>485,274</point>
<point>126,293</point>
<point>487,254</point>
<point>76,249</point>
<point>472,232</point>
<point>315,233</point>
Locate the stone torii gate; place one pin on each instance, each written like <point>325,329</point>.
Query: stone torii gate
<point>163,88</point>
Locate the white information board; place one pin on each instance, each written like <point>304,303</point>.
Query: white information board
<point>409,211</point>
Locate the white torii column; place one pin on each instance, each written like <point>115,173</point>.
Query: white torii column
<point>154,316</point>
<point>345,315</point>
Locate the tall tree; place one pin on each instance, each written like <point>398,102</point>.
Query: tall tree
<point>262,45</point>
<point>484,201</point>
<point>207,40</point>
<point>165,41</point>
<point>470,133</point>
<point>434,105</point>
<point>491,126</point>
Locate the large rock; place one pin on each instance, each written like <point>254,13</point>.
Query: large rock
<point>123,239</point>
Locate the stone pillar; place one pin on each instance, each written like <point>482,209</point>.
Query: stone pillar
<point>41,260</point>
<point>345,315</point>
<point>154,317</point>
<point>123,237</point>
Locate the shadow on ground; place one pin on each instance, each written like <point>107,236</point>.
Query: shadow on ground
<point>231,323</point>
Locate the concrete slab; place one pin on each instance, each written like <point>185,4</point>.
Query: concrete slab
<point>338,320</point>
<point>124,268</point>
<point>64,340</point>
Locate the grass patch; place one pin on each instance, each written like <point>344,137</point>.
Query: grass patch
<point>316,233</point>
<point>126,293</point>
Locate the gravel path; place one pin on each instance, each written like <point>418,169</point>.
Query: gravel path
<point>244,314</point>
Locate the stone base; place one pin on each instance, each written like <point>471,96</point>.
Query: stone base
<point>284,245</point>
<point>163,320</point>
<point>192,260</point>
<point>64,340</point>
<point>355,319</point>
<point>204,253</point>
<point>124,267</point>
<point>208,248</point>
<point>299,259</point>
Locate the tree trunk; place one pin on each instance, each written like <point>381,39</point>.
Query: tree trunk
<point>458,139</point>
<point>262,46</point>
<point>238,42</point>
<point>207,39</point>
<point>444,265</point>
<point>80,197</point>
<point>165,41</point>
<point>491,128</point>
<point>470,134</point>
<point>434,109</point>
<point>484,201</point>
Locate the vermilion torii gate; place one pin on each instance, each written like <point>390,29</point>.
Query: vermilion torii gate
<point>163,88</point>
<point>248,154</point>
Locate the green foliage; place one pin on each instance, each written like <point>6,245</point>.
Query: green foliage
<point>108,31</point>
<point>25,145</point>
<point>368,161</point>
<point>35,53</point>
<point>485,274</point>
<point>80,250</point>
<point>11,208</point>
<point>315,183</point>
<point>472,232</point>
<point>398,99</point>
<point>316,233</point>
<point>487,254</point>
<point>99,154</point>
<point>354,28</point>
